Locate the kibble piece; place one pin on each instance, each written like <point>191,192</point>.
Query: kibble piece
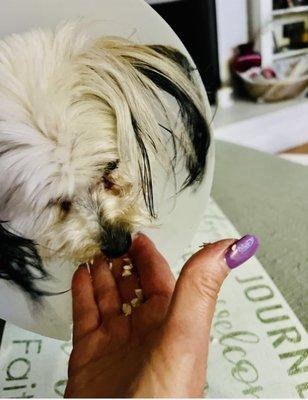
<point>127,270</point>
<point>110,265</point>
<point>136,302</point>
<point>139,294</point>
<point>126,273</point>
<point>127,309</point>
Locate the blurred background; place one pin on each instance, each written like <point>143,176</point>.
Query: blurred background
<point>253,58</point>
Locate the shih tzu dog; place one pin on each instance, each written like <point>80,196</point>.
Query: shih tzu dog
<point>81,121</point>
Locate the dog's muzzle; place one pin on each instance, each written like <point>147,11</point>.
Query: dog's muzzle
<point>116,241</point>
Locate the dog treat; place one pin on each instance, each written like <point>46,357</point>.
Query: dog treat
<point>136,302</point>
<point>139,294</point>
<point>126,273</point>
<point>127,309</point>
<point>127,270</point>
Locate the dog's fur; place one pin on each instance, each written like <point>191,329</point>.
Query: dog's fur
<point>81,121</point>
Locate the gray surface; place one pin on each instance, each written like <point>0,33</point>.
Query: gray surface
<point>267,196</point>
<point>243,109</point>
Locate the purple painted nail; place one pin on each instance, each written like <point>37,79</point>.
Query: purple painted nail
<point>241,251</point>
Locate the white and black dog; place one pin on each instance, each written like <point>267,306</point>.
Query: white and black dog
<point>80,123</point>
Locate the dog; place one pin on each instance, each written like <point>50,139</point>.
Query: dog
<point>81,121</point>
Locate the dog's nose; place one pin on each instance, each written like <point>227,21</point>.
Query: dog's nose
<point>116,241</point>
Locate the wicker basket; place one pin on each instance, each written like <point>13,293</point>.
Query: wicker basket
<point>273,89</point>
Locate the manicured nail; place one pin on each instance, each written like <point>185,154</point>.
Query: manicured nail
<point>241,251</point>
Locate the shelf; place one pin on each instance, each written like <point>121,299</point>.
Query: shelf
<point>290,53</point>
<point>291,10</point>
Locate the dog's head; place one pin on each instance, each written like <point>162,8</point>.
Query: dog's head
<point>81,121</point>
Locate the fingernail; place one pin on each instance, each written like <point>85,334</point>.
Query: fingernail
<point>241,251</point>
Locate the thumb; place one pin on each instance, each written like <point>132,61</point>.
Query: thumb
<point>194,300</point>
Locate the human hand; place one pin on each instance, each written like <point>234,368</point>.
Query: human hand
<point>161,349</point>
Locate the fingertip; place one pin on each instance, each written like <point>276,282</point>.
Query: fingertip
<point>241,251</point>
<point>153,269</point>
<point>231,253</point>
<point>211,256</point>
<point>140,243</point>
<point>80,274</point>
<point>220,247</point>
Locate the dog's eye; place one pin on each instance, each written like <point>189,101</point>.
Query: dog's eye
<point>65,205</point>
<point>112,165</point>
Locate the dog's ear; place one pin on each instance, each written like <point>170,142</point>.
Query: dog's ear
<point>189,99</point>
<point>133,80</point>
<point>20,263</point>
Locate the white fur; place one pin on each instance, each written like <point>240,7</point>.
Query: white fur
<point>65,111</point>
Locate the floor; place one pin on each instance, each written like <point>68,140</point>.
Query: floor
<point>266,127</point>
<point>298,150</point>
<point>244,109</point>
<point>297,154</point>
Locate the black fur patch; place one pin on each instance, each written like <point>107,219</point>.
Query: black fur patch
<point>20,263</point>
<point>177,57</point>
<point>145,170</point>
<point>195,123</point>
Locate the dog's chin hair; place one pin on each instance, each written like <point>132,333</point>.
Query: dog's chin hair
<point>81,122</point>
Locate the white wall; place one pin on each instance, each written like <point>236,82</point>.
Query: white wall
<point>232,29</point>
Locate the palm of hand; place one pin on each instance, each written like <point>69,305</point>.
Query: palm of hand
<point>110,349</point>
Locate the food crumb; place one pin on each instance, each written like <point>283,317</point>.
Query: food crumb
<point>139,294</point>
<point>126,273</point>
<point>136,302</point>
<point>127,309</point>
<point>127,270</point>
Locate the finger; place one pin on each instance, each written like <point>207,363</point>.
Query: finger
<point>154,272</point>
<point>86,316</point>
<point>105,289</point>
<point>197,288</point>
<point>151,315</point>
<point>126,284</point>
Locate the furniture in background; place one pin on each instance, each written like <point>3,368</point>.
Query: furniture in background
<point>273,30</point>
<point>194,21</point>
